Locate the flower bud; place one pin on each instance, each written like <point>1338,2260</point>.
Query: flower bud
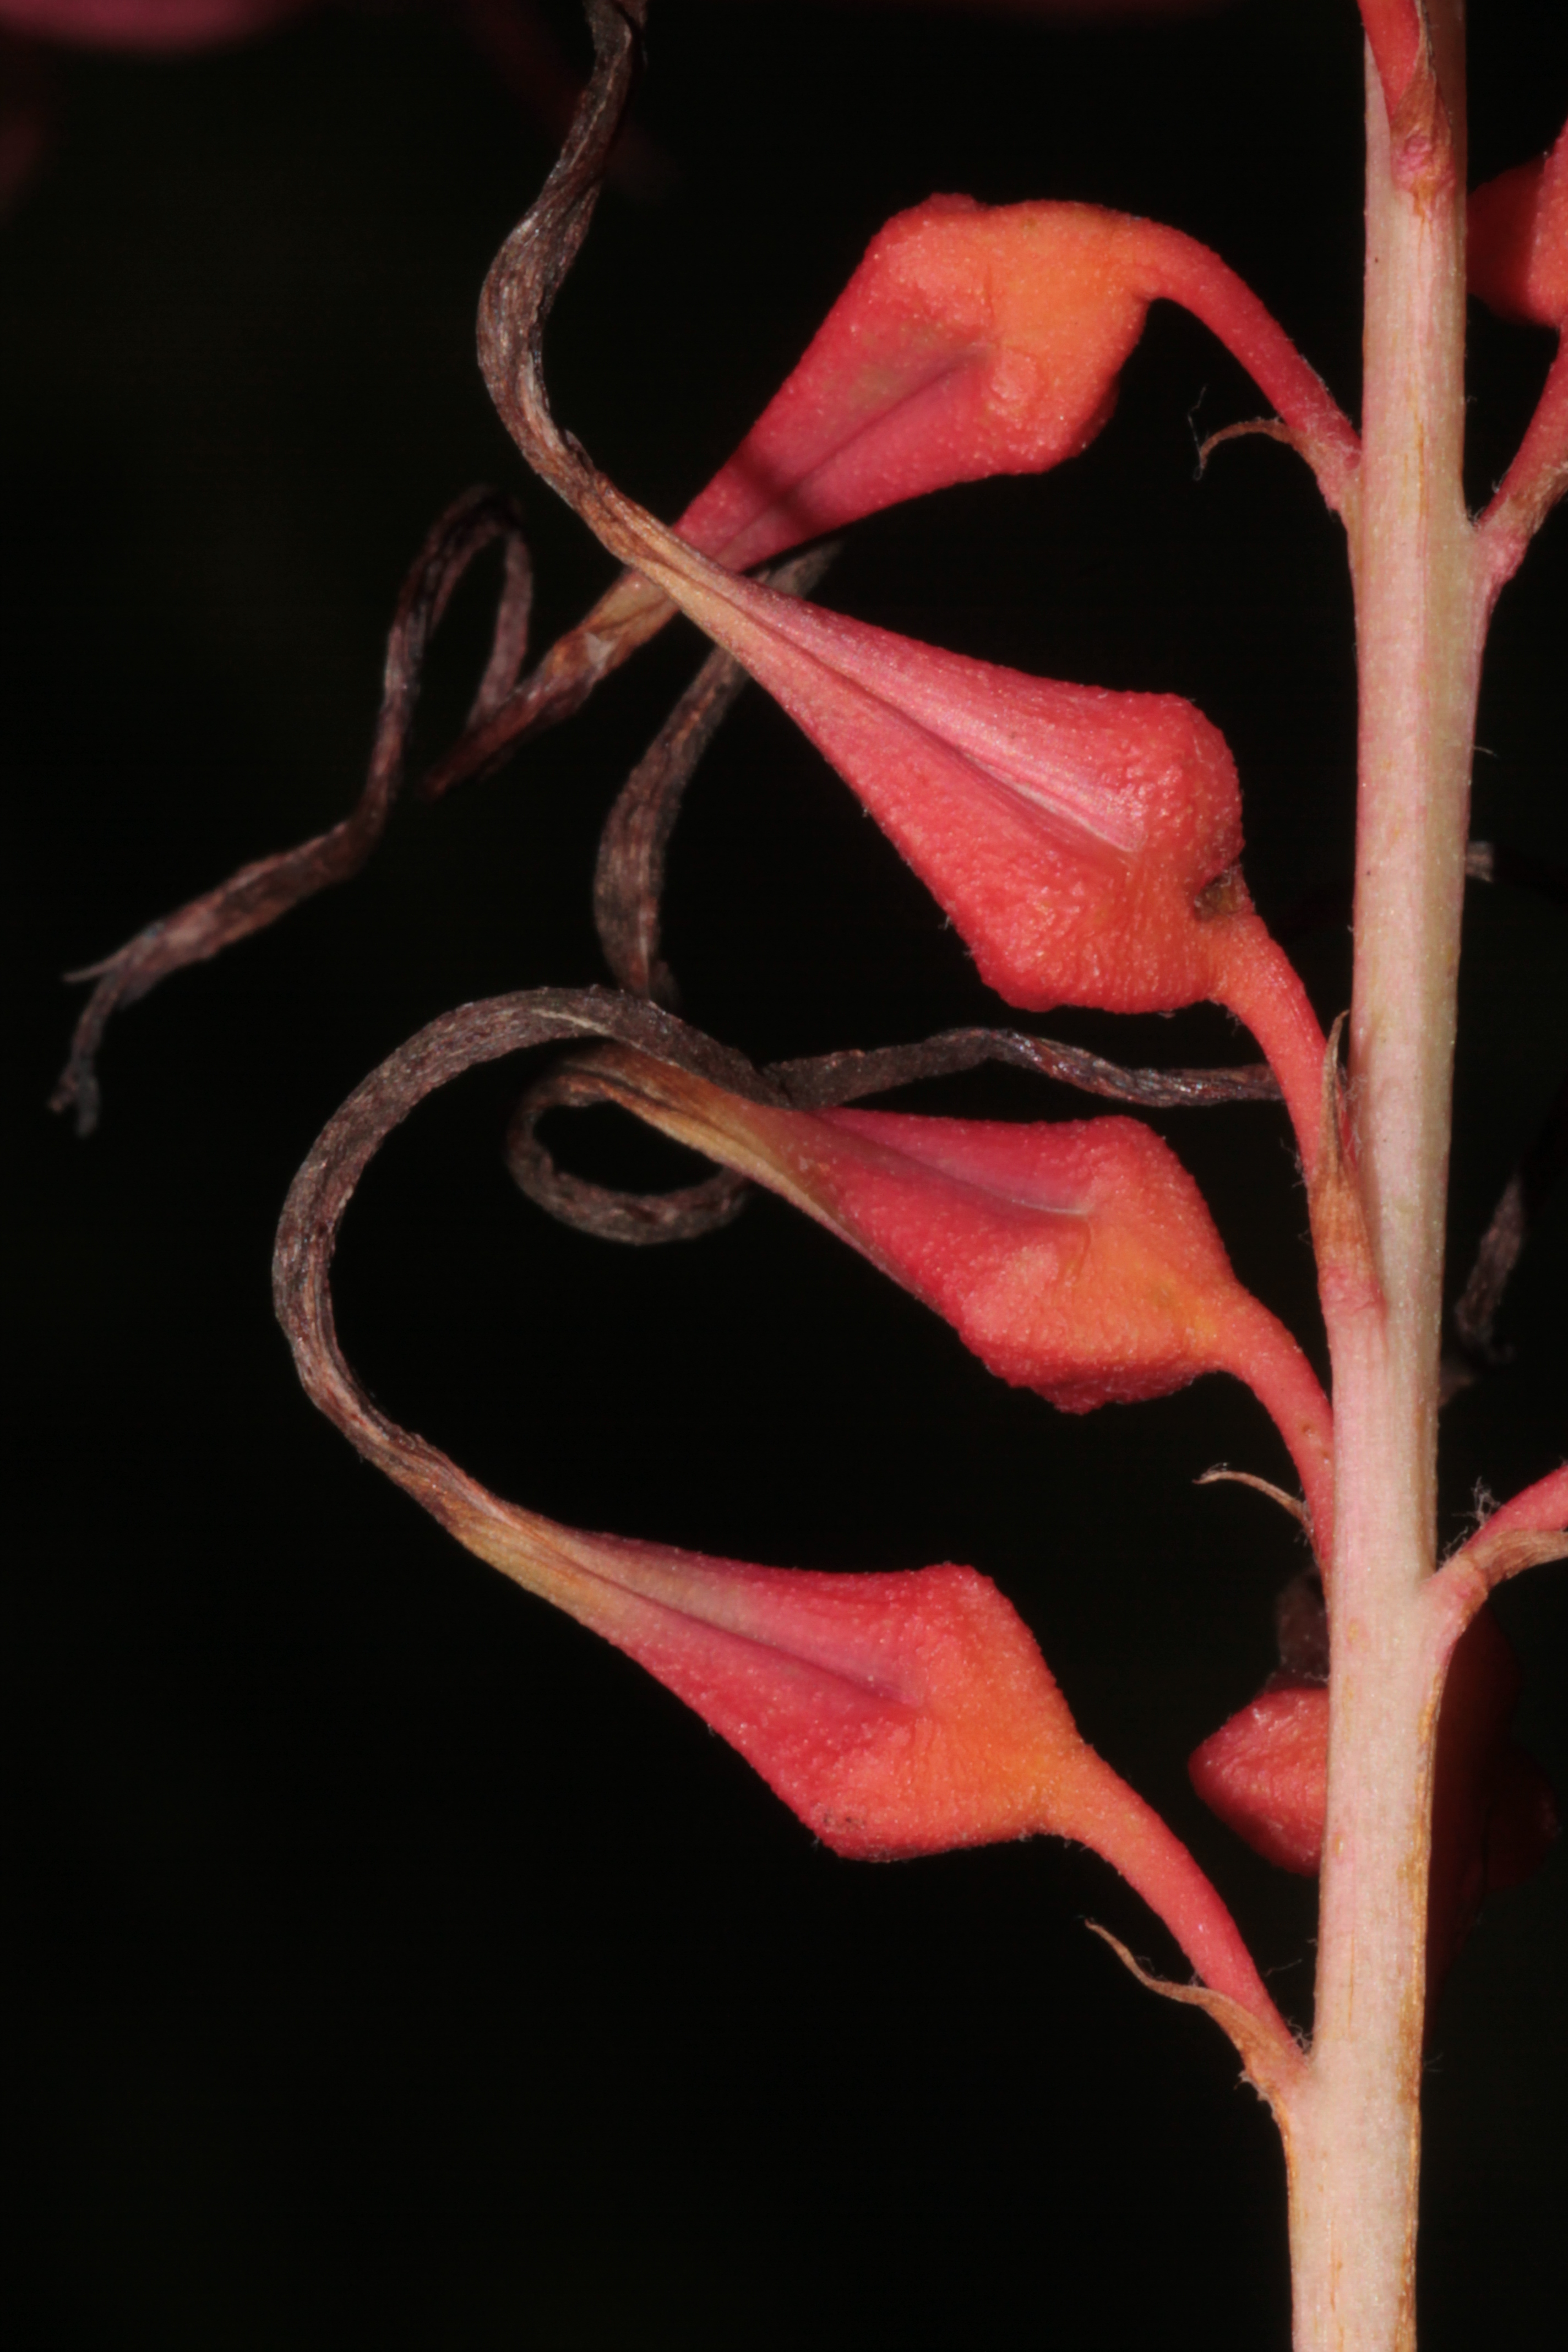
<point>1494,1817</point>
<point>976,340</point>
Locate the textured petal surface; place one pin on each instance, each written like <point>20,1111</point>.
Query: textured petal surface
<point>976,340</point>
<point>896,1714</point>
<point>1517,254</point>
<point>971,341</point>
<point>1068,832</point>
<point>1266,1774</point>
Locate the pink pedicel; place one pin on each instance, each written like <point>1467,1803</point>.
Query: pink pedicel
<point>1540,1510</point>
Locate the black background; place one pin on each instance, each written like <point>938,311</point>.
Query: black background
<point>397,1965</point>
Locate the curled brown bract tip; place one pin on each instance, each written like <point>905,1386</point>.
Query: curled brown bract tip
<point>1222,1476</point>
<point>1274,2064</point>
<point>1270,427</point>
<point>629,880</point>
<point>307,1235</point>
<point>681,1215</point>
<point>532,266</point>
<point>259,893</point>
<point>1347,1277</point>
<point>822,1082</point>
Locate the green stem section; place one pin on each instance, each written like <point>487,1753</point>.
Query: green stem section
<point>1354,2134</point>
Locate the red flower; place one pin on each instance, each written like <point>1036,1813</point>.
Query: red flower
<point>1077,1259</point>
<point>1084,843</point>
<point>897,1715</point>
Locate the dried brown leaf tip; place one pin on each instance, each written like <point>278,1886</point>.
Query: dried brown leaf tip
<point>258,894</point>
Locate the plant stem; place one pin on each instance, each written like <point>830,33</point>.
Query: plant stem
<point>1354,2132</point>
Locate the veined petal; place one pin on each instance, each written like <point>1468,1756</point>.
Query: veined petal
<point>1075,1258</point>
<point>971,341</point>
<point>1083,842</point>
<point>897,1715</point>
<point>1070,832</point>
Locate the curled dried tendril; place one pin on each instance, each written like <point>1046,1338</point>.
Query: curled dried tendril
<point>822,1082</point>
<point>628,878</point>
<point>259,893</point>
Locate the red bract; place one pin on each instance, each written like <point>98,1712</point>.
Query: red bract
<point>897,1715</point>
<point>1070,832</point>
<point>1075,1259</point>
